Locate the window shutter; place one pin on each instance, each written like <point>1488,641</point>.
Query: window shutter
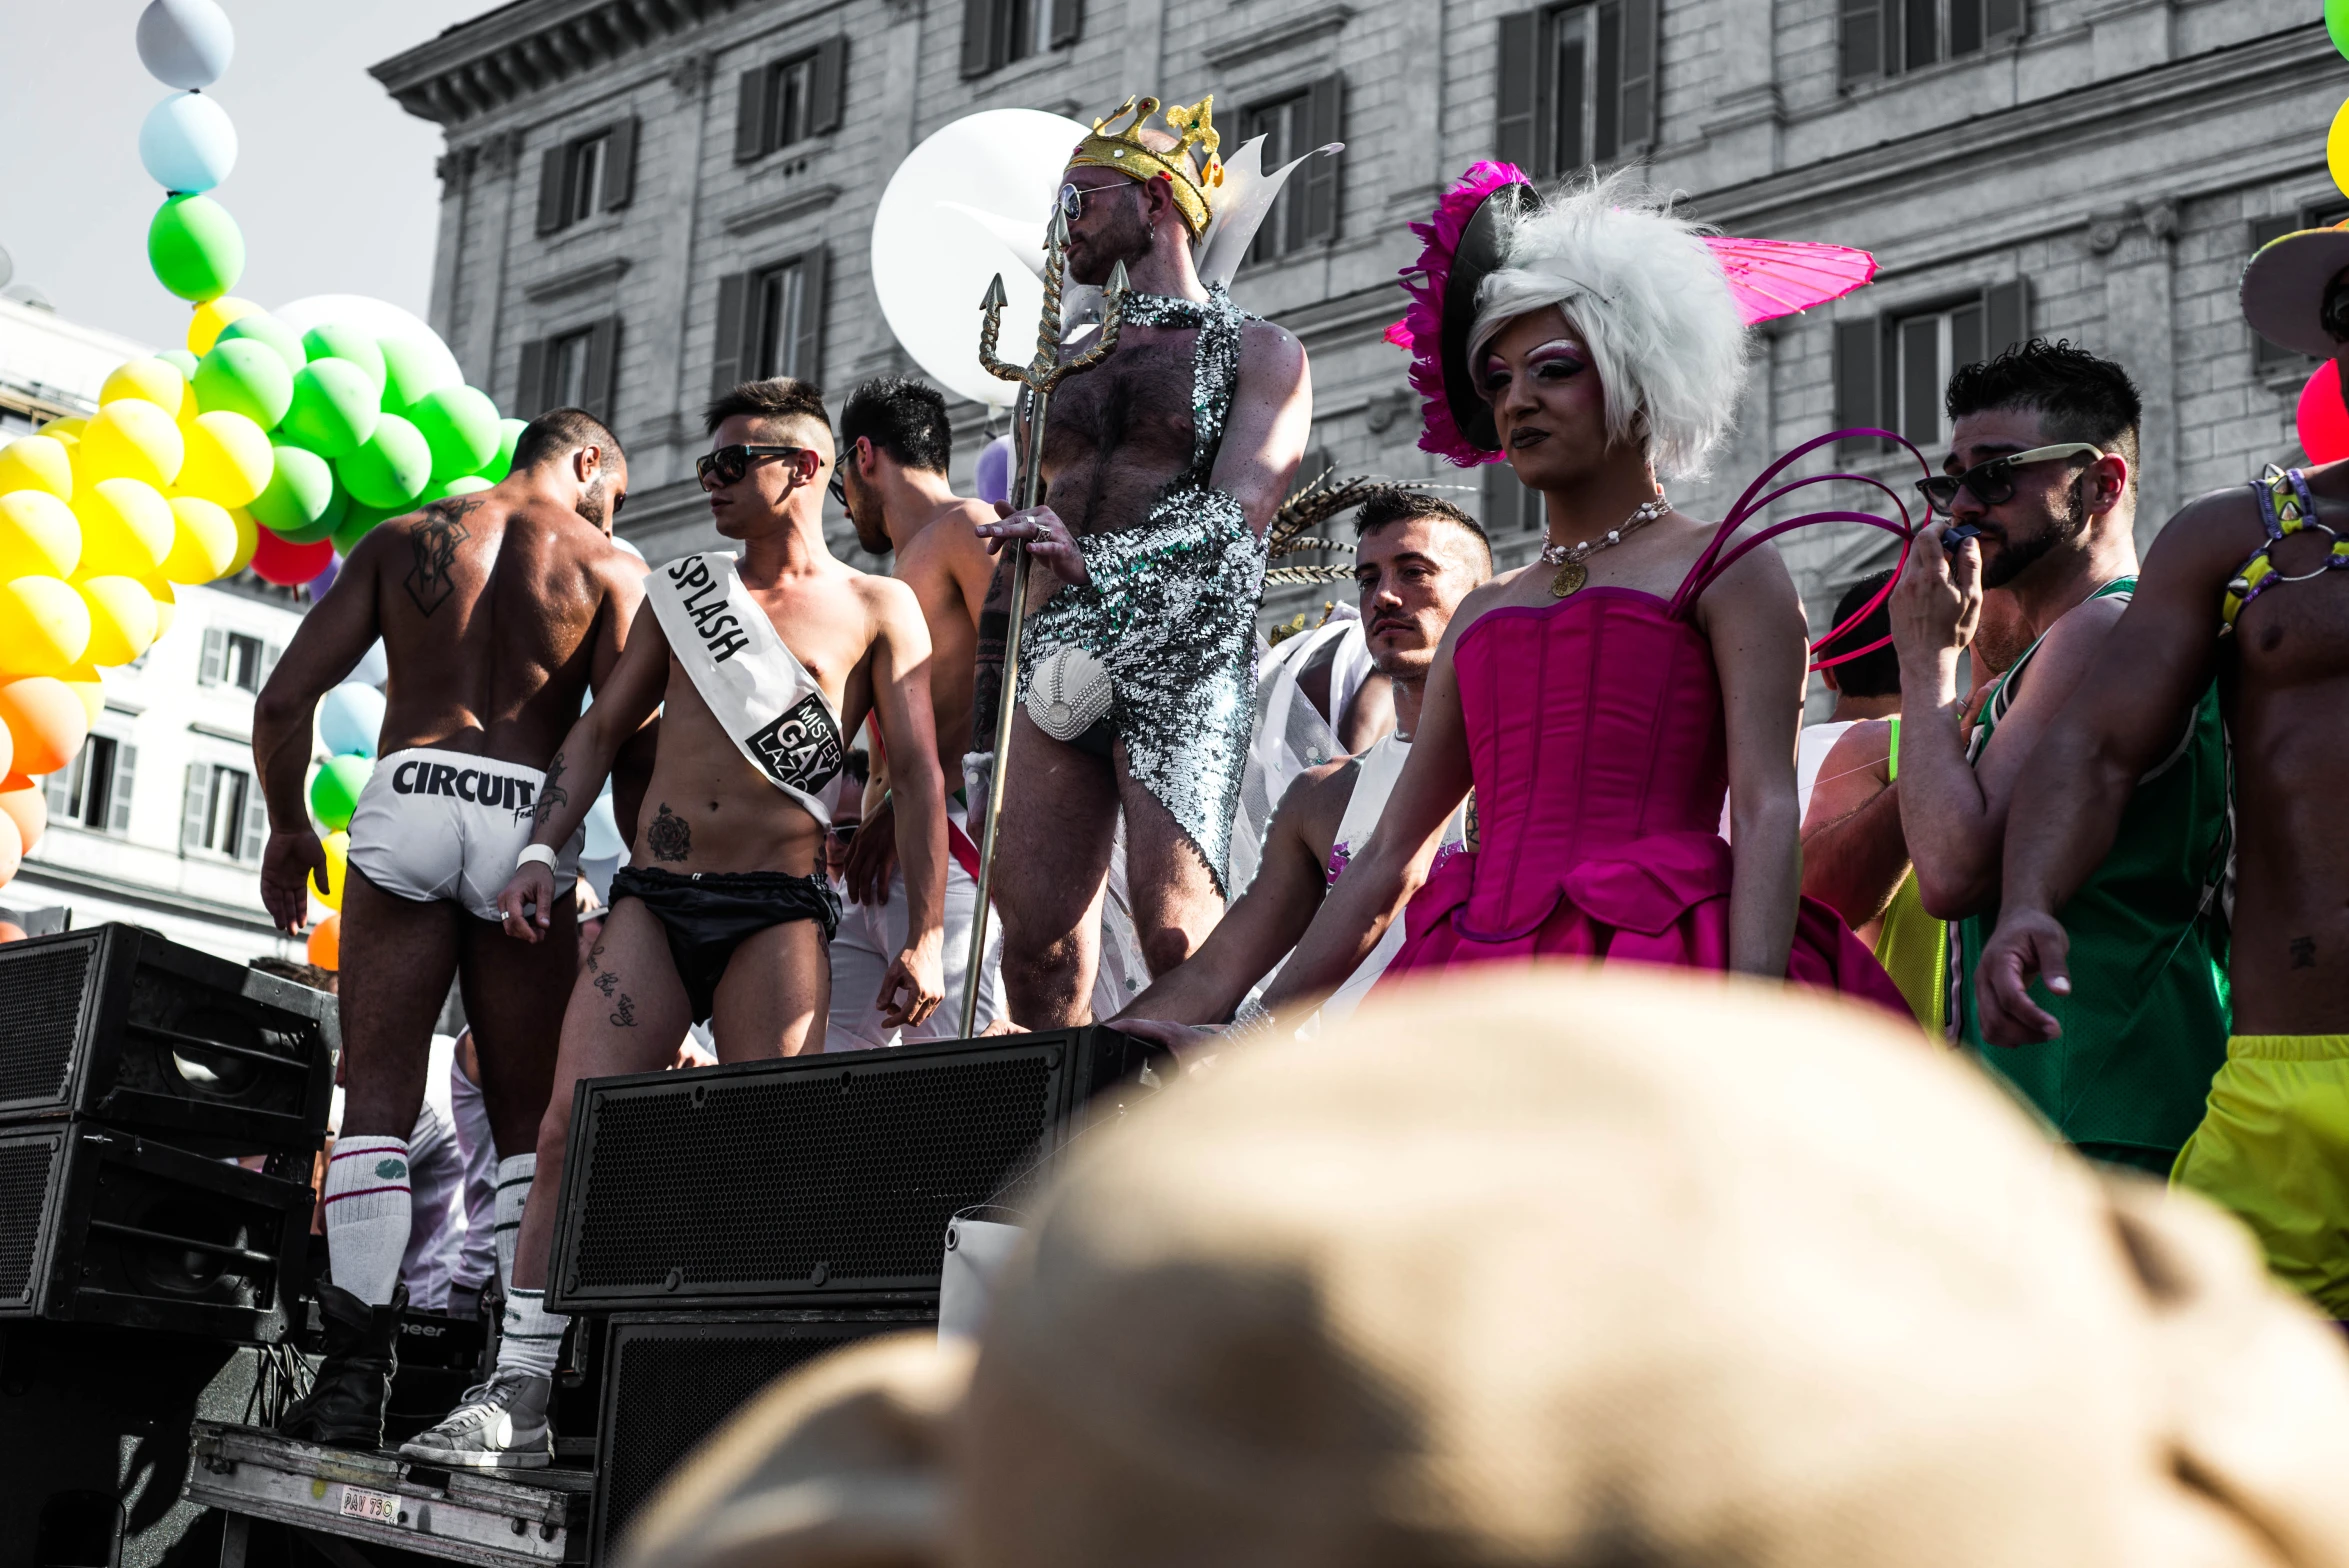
<point>1965,337</point>
<point>1919,23</point>
<point>620,165</point>
<point>255,837</point>
<point>550,189</point>
<point>1860,49</point>
<point>118,794</point>
<point>750,114</point>
<point>2266,355</point>
<point>2002,20</point>
<point>530,385</point>
<point>192,807</point>
<point>1856,403</point>
<point>1965,27</point>
<point>1325,109</point>
<point>2006,311</point>
<point>831,85</point>
<point>1639,76</point>
<point>57,788</point>
<point>1068,18</point>
<point>603,364</point>
<point>726,365</point>
<point>807,333</point>
<point>1515,138</point>
<point>269,653</point>
<point>215,653</point>
<point>978,37</point>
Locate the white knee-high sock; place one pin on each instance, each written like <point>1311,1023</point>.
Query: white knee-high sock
<point>366,1202</point>
<point>531,1337</point>
<point>514,1178</point>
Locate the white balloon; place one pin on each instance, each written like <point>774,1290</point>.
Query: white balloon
<point>378,318</point>
<point>932,261</point>
<point>373,668</point>
<point>188,143</point>
<point>186,43</point>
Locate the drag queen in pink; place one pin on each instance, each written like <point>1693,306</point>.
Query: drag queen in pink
<point>1603,699</point>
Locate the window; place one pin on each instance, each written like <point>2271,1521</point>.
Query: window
<point>236,659</point>
<point>1884,37</point>
<point>1306,211</point>
<point>222,813</point>
<point>771,322</point>
<point>587,175</point>
<point>1509,507</point>
<point>1891,371</point>
<point>997,32</point>
<point>94,790</point>
<point>2266,356</point>
<point>574,368</point>
<point>791,100</point>
<point>1577,86</point>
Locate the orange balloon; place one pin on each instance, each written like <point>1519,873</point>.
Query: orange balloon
<point>11,850</point>
<point>47,721</point>
<point>10,931</point>
<point>23,802</point>
<point>326,943</point>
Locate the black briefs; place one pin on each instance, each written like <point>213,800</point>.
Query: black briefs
<point>708,914</point>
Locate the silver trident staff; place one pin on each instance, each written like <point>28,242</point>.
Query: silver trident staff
<point>1039,376</point>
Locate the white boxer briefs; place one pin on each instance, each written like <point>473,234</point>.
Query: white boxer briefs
<point>444,824</point>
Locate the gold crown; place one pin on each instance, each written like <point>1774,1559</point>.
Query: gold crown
<point>1123,150</point>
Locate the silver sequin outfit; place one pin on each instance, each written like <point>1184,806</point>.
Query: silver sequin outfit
<point>1171,608</point>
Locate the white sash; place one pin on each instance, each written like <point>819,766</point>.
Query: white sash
<point>756,688</point>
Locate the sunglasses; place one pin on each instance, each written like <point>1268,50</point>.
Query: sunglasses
<point>1993,482</point>
<point>1074,197</point>
<point>728,464</point>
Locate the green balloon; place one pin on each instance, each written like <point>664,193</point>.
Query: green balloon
<point>356,525</point>
<point>463,484</point>
<point>195,248</point>
<point>334,408</point>
<point>334,790</point>
<point>509,432</point>
<point>460,424</point>
<point>180,360</point>
<point>299,499</point>
<point>391,469</point>
<point>336,341</point>
<point>244,376</point>
<point>409,371</point>
<point>261,327</point>
<point>2337,24</point>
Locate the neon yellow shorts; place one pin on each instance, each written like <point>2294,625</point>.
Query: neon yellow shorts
<point>2273,1147</point>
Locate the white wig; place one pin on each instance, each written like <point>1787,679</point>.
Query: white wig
<point>1645,294</point>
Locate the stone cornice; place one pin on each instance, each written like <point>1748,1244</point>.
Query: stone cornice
<point>782,209</point>
<point>1286,33</point>
<point>595,275</point>
<point>513,51</point>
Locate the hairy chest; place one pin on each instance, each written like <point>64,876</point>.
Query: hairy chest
<point>1135,404</point>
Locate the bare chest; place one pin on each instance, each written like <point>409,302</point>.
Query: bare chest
<point>1134,409</point>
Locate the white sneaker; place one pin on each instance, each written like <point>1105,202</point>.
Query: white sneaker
<point>500,1425</point>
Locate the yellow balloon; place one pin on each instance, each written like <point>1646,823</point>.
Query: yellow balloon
<point>228,459</point>
<point>122,618</point>
<point>166,603</point>
<point>127,527</point>
<point>157,381</point>
<point>37,463</point>
<point>338,858</point>
<point>68,429</point>
<point>82,680</point>
<point>44,626</point>
<point>132,439</point>
<point>248,540</point>
<point>38,534</point>
<point>204,326</point>
<point>203,542</point>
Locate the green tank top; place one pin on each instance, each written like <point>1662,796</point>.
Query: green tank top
<point>2145,1026</point>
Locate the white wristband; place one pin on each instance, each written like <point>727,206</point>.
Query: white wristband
<point>535,854</point>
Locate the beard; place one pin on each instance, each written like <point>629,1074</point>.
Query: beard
<point>2067,524</point>
<point>594,504</point>
<point>1123,235</point>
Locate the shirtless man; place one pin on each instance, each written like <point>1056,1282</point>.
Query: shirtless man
<point>497,611</point>
<point>1416,559</point>
<point>723,912</point>
<point>1151,558</point>
<point>2273,1144</point>
<point>895,442</point>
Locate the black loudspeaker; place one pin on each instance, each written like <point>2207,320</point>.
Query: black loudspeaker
<point>672,1379</point>
<point>102,1226</point>
<point>814,1179</point>
<point>94,1444</point>
<point>117,1024</point>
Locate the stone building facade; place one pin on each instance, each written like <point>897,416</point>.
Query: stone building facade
<point>645,197</point>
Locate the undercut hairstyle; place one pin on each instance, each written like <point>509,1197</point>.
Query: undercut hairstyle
<point>2077,396</point>
<point>560,432</point>
<point>1874,674</point>
<point>779,398</point>
<point>1639,286</point>
<point>1398,505</point>
<point>904,418</point>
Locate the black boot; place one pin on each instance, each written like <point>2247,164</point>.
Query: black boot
<point>344,1408</point>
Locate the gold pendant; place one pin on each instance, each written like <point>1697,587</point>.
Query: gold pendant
<point>1569,579</point>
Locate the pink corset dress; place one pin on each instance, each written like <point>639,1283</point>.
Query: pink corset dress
<point>1601,760</point>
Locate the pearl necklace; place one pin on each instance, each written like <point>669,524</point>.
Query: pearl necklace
<point>1572,574</point>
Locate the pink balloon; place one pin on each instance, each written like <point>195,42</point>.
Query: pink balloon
<point>2323,420</point>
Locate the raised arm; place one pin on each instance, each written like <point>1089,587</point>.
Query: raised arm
<point>329,643</point>
<point>1271,415</point>
<point>916,981</point>
<point>1754,620</point>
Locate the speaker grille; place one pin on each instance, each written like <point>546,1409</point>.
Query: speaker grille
<point>25,1172</point>
<point>42,1019</point>
<point>804,1179</point>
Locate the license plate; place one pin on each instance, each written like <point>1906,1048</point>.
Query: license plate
<point>374,1507</point>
